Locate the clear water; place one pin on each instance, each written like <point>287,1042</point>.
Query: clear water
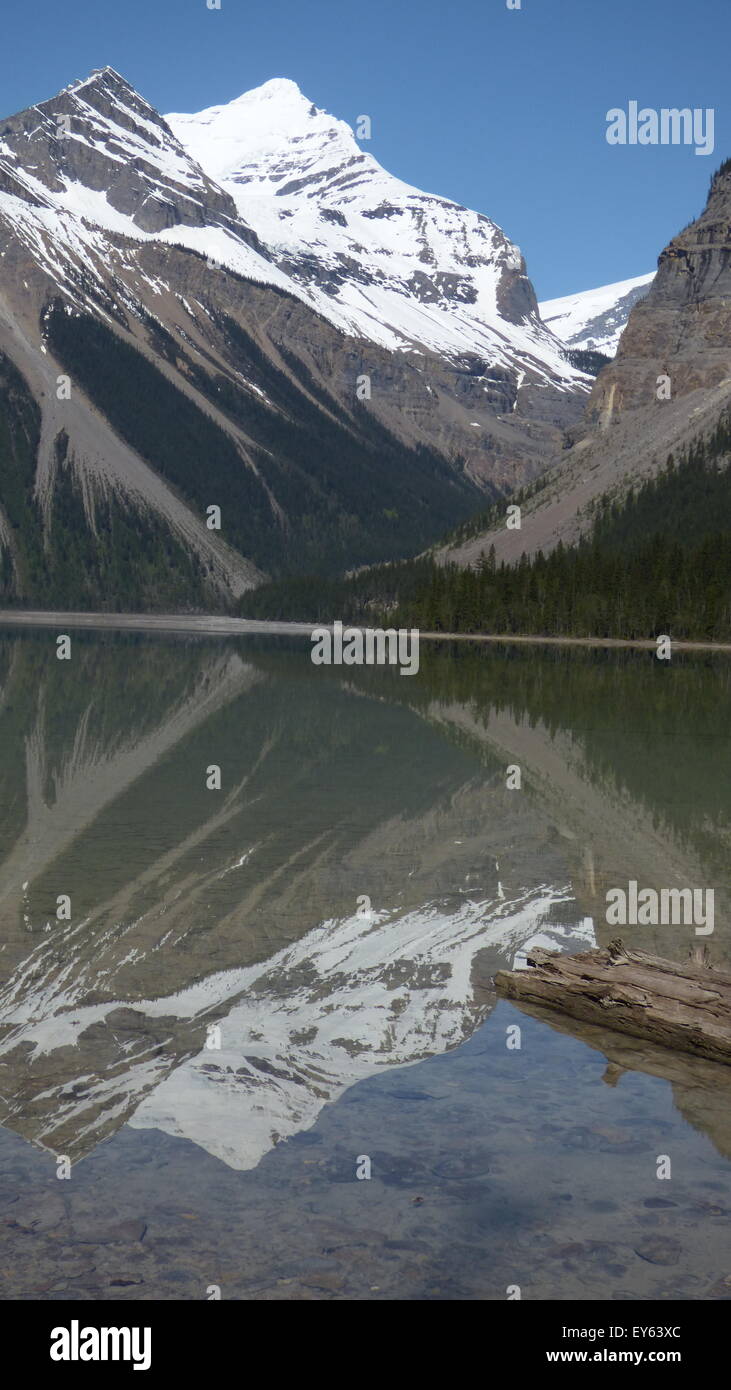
<point>263,991</point>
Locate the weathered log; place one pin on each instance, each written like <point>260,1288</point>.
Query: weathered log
<point>681,1006</point>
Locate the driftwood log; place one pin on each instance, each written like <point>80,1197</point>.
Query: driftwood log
<point>686,1007</point>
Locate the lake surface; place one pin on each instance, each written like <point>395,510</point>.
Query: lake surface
<point>256,1024</point>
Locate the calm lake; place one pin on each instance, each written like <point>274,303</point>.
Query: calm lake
<point>249,1039</point>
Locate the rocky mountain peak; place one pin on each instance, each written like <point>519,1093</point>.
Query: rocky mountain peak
<point>105,86</point>
<point>100,137</point>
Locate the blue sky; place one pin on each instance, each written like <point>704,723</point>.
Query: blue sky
<point>503,110</point>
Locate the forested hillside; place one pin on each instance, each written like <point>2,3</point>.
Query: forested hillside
<point>660,561</point>
<point>50,556</point>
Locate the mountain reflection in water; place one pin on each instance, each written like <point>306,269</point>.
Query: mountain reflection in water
<point>236,960</point>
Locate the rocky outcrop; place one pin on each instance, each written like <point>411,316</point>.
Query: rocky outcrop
<point>682,327</point>
<point>667,387</point>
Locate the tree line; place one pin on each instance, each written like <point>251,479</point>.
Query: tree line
<point>659,561</point>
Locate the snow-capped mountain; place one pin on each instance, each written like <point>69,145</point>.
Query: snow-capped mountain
<point>214,296</point>
<point>398,266</point>
<point>595,319</point>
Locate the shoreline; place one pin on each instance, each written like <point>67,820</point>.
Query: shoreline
<point>213,626</point>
